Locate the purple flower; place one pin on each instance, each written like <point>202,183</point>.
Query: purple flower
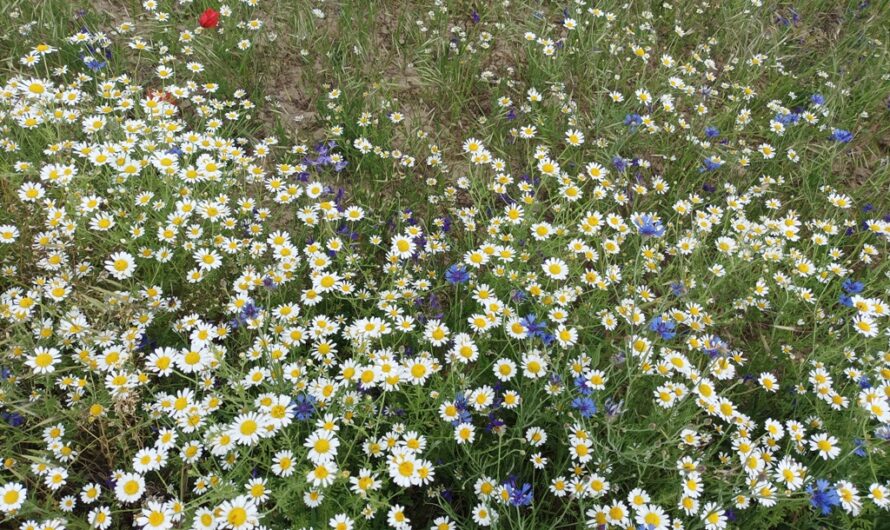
<point>823,496</point>
<point>13,418</point>
<point>519,495</point>
<point>582,386</point>
<point>463,412</point>
<point>546,338</point>
<point>304,407</point>
<point>585,406</point>
<point>678,289</point>
<point>852,287</point>
<point>841,135</point>
<point>649,227</point>
<point>718,347</point>
<point>665,328</point>
<point>612,407</point>
<point>457,274</point>
<point>493,423</point>
<point>786,119</point>
<point>711,163</point>
<point>860,449</point>
<point>250,310</point>
<point>94,64</point>
<point>530,323</point>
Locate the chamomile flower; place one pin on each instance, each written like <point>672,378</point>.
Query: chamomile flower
<point>121,265</point>
<point>12,497</point>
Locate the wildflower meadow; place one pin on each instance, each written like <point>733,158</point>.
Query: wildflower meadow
<point>444,264</point>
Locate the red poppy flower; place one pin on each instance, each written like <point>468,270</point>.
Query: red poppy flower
<point>209,18</point>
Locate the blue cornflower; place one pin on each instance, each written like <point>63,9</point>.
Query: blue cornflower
<point>841,135</point>
<point>457,274</point>
<point>712,132</point>
<point>494,423</point>
<point>94,64</point>
<point>619,163</point>
<point>612,407</point>
<point>633,120</point>
<point>13,418</point>
<point>304,407</point>
<point>463,412</point>
<point>142,343</point>
<point>582,386</point>
<point>250,310</point>
<point>859,450</point>
<point>650,227</point>
<point>817,99</point>
<point>852,287</point>
<point>530,323</point>
<point>786,119</point>
<point>585,406</point>
<point>663,327</point>
<point>519,495</point>
<point>718,347</point>
<point>678,289</point>
<point>712,163</point>
<point>823,496</point>
<point>323,148</point>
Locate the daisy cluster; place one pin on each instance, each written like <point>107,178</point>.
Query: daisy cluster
<point>204,329</point>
